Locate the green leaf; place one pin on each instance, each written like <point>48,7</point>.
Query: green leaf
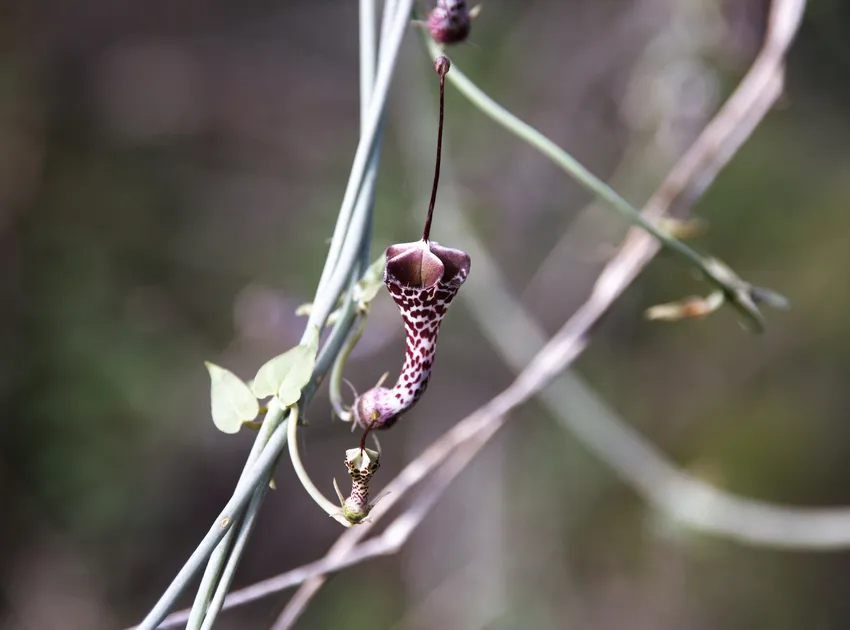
<point>231,400</point>
<point>286,375</point>
<point>371,282</point>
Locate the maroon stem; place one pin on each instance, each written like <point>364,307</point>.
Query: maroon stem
<point>441,65</point>
<point>363,439</point>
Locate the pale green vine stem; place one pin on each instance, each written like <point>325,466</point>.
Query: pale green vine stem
<point>583,176</point>
<point>335,383</point>
<point>368,57</point>
<point>245,528</point>
<point>369,134</point>
<point>328,506</point>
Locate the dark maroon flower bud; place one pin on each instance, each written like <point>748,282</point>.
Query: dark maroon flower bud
<point>442,65</point>
<point>450,21</point>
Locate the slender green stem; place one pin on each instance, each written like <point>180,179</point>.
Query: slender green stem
<point>331,508</point>
<point>246,527</point>
<point>210,579</point>
<point>390,8</point>
<point>368,57</point>
<point>335,384</point>
<point>583,176</point>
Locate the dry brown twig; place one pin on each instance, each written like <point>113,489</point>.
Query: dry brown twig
<point>448,456</point>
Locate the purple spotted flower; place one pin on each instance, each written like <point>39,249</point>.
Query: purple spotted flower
<point>423,278</point>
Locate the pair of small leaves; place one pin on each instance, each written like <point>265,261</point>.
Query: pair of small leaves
<point>742,295</point>
<point>235,403</point>
<point>287,374</point>
<point>365,291</point>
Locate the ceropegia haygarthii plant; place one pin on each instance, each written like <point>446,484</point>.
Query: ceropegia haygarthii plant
<point>423,278</point>
<point>362,463</point>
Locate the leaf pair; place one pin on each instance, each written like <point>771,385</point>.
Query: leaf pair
<point>234,402</point>
<point>742,295</point>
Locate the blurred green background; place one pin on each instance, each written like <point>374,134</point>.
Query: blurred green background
<point>169,176</point>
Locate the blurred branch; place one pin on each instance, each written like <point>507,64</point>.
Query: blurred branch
<point>682,497</point>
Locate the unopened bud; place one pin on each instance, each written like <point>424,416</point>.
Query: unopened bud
<point>450,21</point>
<point>361,464</point>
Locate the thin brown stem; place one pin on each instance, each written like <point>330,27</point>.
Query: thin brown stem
<point>441,65</point>
<point>363,438</point>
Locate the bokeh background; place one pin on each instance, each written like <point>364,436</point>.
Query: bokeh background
<point>169,176</point>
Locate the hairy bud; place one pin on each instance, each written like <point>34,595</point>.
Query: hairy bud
<point>450,21</point>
